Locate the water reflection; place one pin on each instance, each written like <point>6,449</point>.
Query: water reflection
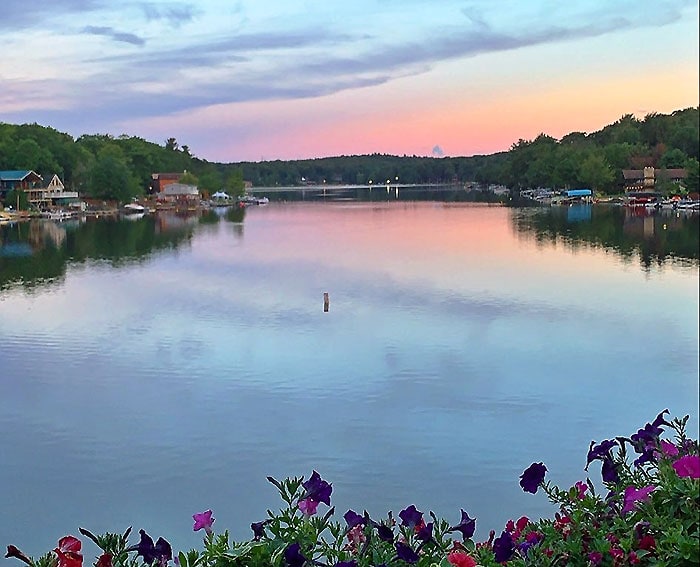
<point>655,236</point>
<point>38,252</point>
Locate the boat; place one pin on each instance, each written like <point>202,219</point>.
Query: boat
<point>130,208</point>
<point>58,214</point>
<point>252,200</point>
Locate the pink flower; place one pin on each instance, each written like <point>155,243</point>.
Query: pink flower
<point>203,521</point>
<point>68,552</point>
<point>688,466</point>
<point>632,496</point>
<point>459,559</point>
<point>308,506</point>
<point>669,449</point>
<point>581,487</point>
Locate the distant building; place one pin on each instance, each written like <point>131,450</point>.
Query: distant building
<point>18,179</point>
<point>179,193</point>
<point>54,193</point>
<point>646,179</point>
<point>160,181</point>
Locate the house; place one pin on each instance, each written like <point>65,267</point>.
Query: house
<point>54,193</point>
<point>160,181</point>
<point>646,179</point>
<point>179,193</point>
<point>18,179</point>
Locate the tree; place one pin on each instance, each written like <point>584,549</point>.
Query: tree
<point>692,182</point>
<point>111,179</point>
<point>234,182</point>
<point>673,159</point>
<point>171,144</point>
<point>17,199</point>
<point>189,179</point>
<point>596,173</point>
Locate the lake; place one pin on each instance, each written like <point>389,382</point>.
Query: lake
<point>159,366</point>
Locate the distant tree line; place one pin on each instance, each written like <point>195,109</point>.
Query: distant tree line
<point>108,167</point>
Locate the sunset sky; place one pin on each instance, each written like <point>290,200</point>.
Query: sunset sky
<point>280,79</point>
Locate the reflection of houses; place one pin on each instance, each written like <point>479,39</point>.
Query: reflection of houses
<point>160,181</point>
<point>639,223</point>
<point>179,193</point>
<point>18,179</point>
<point>646,179</point>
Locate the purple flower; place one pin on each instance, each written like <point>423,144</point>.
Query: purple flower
<point>410,516</point>
<point>688,466</point>
<point>632,496</point>
<point>353,519</point>
<point>293,556</point>
<point>647,456</point>
<point>161,551</point>
<point>425,533</point>
<point>599,451</point>
<point>466,525</point>
<point>532,477</point>
<point>384,532</point>
<point>595,557</point>
<point>405,553</point>
<point>503,547</point>
<point>609,471</point>
<point>318,489</point>
<point>351,563</point>
<point>203,521</point>
<point>648,436</point>
<point>258,529</point>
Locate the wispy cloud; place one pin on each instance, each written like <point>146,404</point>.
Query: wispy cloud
<point>213,52</point>
<point>114,34</point>
<point>20,13</point>
<point>175,14</point>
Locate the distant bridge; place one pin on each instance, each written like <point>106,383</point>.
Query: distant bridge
<point>330,188</point>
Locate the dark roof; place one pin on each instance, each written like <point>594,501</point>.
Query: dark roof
<point>633,173</point>
<point>677,173</point>
<point>672,173</point>
<point>18,175</point>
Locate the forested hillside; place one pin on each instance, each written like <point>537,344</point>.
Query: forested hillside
<point>104,166</point>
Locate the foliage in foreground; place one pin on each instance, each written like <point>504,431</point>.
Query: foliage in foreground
<point>649,514</point>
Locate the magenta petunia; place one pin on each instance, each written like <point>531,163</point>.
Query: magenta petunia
<point>581,487</point>
<point>633,495</point>
<point>669,449</point>
<point>688,466</point>
<point>308,506</point>
<point>203,521</point>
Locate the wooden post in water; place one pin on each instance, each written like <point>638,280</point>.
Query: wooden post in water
<point>325,302</point>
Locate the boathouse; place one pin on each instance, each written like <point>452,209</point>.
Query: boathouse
<point>18,179</point>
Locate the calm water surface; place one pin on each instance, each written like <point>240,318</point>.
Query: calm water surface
<point>154,368</point>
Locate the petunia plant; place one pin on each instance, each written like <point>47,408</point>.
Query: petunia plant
<point>645,510</point>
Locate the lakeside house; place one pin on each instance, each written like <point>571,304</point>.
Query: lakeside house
<point>159,181</point>
<point>647,179</point>
<point>179,193</point>
<point>18,179</point>
<point>39,195</point>
<point>54,194</point>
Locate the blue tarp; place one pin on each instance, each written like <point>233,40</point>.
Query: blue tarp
<point>579,193</point>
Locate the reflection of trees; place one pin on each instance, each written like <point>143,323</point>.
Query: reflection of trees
<point>656,236</point>
<point>38,252</point>
<point>53,246</point>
